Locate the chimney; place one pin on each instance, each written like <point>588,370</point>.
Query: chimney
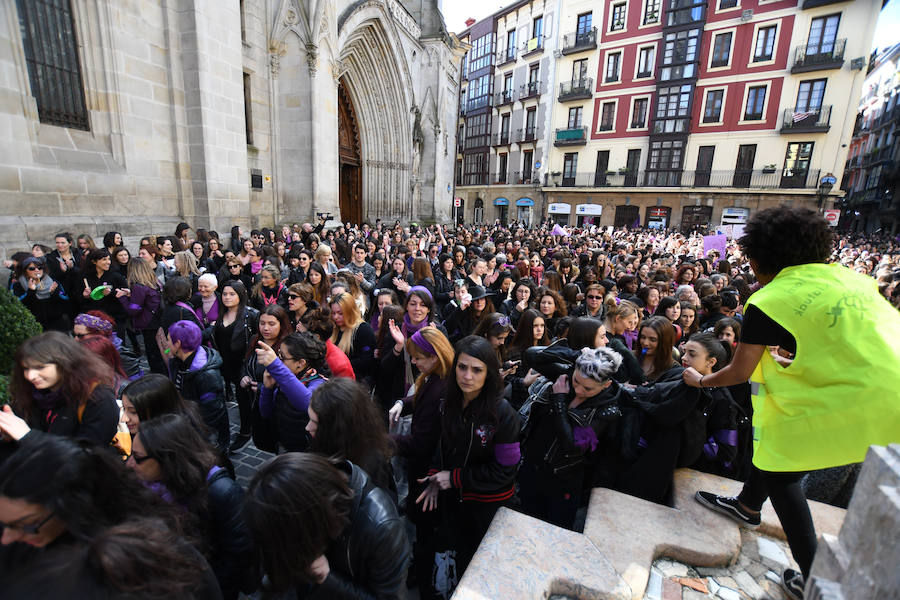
<point>470,21</point>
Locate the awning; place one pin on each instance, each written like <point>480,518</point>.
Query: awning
<point>524,202</point>
<point>501,202</point>
<point>559,208</point>
<point>589,209</point>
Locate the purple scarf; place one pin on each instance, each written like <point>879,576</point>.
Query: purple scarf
<point>409,329</point>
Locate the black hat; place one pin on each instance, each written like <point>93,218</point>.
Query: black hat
<point>478,292</point>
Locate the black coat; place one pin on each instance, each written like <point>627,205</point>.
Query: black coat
<point>370,557</point>
<point>362,353</point>
<point>231,549</point>
<point>49,312</point>
<point>97,423</point>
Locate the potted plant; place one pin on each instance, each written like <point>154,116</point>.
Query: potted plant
<point>624,171</point>
<point>768,169</point>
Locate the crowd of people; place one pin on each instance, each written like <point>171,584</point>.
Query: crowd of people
<point>411,381</point>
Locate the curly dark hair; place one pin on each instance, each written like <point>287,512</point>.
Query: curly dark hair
<point>785,236</point>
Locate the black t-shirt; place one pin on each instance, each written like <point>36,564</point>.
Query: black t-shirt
<point>760,328</point>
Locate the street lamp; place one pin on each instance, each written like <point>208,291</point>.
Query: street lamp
<point>825,185</point>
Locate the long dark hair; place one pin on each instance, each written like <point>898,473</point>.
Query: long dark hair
<point>297,504</point>
<point>155,395</point>
<point>309,347</point>
<point>583,332</point>
<point>86,486</point>
<point>665,342</point>
<point>351,426</point>
<point>525,331</point>
<point>484,407</point>
<point>284,323</point>
<point>79,371</point>
<point>184,457</point>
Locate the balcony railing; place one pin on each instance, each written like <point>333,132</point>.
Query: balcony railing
<point>506,56</point>
<point>504,97</point>
<point>818,56</point>
<point>528,134</point>
<point>523,178</point>
<point>754,180</point>
<point>577,89</point>
<point>570,136</point>
<point>501,178</point>
<point>579,41</point>
<point>530,90</point>
<point>532,46</point>
<point>814,120</point>
<point>501,139</point>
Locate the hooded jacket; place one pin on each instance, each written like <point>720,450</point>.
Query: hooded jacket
<point>201,381</point>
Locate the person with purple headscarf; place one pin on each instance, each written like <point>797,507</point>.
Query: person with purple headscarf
<point>567,422</point>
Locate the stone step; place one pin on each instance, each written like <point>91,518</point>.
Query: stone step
<point>826,518</point>
<point>522,557</point>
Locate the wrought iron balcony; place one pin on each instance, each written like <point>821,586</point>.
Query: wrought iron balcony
<point>533,46</point>
<point>531,89</point>
<point>814,120</point>
<point>528,134</point>
<point>504,97</point>
<point>577,89</point>
<point>570,136</point>
<point>757,179</point>
<point>818,56</point>
<point>502,139</point>
<point>579,41</point>
<point>506,56</point>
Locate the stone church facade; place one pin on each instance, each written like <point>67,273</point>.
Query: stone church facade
<point>133,116</point>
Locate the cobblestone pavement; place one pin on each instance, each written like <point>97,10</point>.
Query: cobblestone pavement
<point>755,576</point>
<point>248,459</point>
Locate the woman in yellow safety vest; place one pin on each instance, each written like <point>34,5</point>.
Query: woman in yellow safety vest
<point>816,403</point>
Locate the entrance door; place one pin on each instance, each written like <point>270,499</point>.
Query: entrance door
<point>350,187</point>
<point>704,165</point>
<point>601,168</point>
<point>627,215</point>
<point>743,169</point>
<point>632,164</point>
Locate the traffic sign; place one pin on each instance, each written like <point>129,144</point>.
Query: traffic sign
<point>828,180</point>
<point>457,202</point>
<point>832,217</point>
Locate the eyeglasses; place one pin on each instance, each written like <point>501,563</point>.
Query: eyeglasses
<point>284,357</point>
<point>234,266</point>
<point>595,297</point>
<point>30,528</point>
<point>293,296</point>
<point>34,268</point>
<point>78,336</point>
<point>140,459</point>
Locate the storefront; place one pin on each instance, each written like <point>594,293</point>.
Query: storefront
<point>658,217</point>
<point>588,214</point>
<point>502,205</point>
<point>559,212</point>
<point>523,208</point>
<point>695,217</point>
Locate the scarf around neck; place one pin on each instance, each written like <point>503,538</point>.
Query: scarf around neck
<point>42,290</point>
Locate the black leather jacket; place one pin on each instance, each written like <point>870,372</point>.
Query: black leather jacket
<point>370,558</point>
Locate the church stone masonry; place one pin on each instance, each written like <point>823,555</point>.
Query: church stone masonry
<point>255,113</point>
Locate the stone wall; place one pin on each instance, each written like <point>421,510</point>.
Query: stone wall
<point>162,86</point>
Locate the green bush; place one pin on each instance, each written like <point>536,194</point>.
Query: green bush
<point>4,389</point>
<point>17,324</point>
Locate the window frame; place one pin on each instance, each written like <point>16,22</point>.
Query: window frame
<point>721,118</point>
<point>765,109</point>
<point>631,107</point>
<point>757,30</point>
<point>619,53</point>
<point>659,9</point>
<point>612,13</point>
<point>615,114</point>
<point>578,112</point>
<point>637,62</point>
<point>710,66</point>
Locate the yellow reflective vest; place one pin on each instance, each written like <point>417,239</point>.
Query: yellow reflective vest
<point>842,392</point>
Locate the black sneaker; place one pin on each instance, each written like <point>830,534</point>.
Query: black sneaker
<point>793,584</point>
<point>729,507</point>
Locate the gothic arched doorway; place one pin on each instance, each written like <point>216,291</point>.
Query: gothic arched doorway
<point>349,159</point>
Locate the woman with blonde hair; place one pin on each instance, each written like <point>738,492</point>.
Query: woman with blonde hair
<point>432,354</point>
<point>354,336</point>
<point>323,257</point>
<point>142,300</point>
<point>623,316</point>
<point>186,266</point>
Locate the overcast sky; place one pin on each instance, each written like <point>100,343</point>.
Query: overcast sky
<point>457,11</point>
